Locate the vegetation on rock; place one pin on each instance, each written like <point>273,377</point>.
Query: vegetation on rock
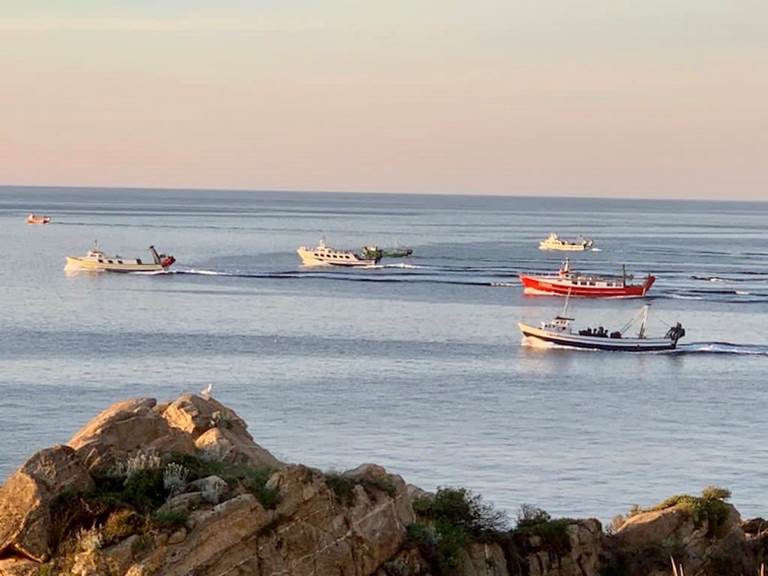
<point>448,522</point>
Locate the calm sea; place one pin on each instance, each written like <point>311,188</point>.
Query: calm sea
<point>417,364</point>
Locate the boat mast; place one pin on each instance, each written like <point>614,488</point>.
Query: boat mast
<point>641,333</point>
<point>565,306</point>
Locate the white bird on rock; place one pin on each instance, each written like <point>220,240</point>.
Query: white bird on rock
<point>207,392</point>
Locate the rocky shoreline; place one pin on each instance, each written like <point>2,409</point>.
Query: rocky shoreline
<point>181,488</point>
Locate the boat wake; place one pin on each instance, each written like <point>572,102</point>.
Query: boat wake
<point>722,348</point>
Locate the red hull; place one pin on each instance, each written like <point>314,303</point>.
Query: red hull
<point>562,287</point>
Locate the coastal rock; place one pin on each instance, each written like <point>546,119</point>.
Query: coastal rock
<point>212,488</point>
<point>484,559</point>
<point>235,447</point>
<point>708,546</point>
<point>27,496</point>
<point>573,549</point>
<point>125,428</point>
<point>217,431</point>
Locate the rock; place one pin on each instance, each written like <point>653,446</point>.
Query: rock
<point>195,415</point>
<point>754,526</point>
<point>125,428</point>
<point>573,549</point>
<point>212,488</point>
<point>485,559</point>
<point>26,498</point>
<point>217,431</point>
<point>183,502</point>
<point>235,447</point>
<point>645,542</point>
<point>18,567</point>
<point>177,537</point>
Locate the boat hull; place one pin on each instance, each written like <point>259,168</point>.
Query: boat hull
<point>554,285</point>
<point>570,340</point>
<point>564,247</point>
<point>75,263</point>
<point>309,259</point>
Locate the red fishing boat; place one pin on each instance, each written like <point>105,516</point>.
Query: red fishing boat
<point>566,281</point>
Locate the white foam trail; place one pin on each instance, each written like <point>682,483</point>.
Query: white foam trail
<point>724,348</point>
<point>404,265</point>
<point>742,292</point>
<point>683,297</point>
<point>204,272</point>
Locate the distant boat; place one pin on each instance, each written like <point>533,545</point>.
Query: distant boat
<point>322,255</point>
<point>38,219</point>
<point>566,281</point>
<point>558,333</point>
<point>97,261</point>
<point>397,252</point>
<point>554,242</point>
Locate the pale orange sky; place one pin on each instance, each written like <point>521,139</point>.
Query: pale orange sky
<point>662,99</point>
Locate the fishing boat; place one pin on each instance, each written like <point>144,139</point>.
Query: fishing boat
<point>322,255</point>
<point>554,242</point>
<point>397,252</point>
<point>568,281</point>
<point>558,333</point>
<point>38,219</point>
<point>97,261</point>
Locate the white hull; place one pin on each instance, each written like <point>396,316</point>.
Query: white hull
<point>323,256</point>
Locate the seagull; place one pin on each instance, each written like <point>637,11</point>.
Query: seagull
<point>207,392</point>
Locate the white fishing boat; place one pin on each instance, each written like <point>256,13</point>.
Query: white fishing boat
<point>97,261</point>
<point>558,333</point>
<point>322,255</point>
<point>554,242</point>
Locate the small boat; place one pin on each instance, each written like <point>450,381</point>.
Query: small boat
<point>554,242</point>
<point>567,281</point>
<point>376,252</point>
<point>97,261</point>
<point>558,333</point>
<point>322,255</point>
<point>38,219</point>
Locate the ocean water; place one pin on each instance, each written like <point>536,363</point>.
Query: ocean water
<point>416,364</point>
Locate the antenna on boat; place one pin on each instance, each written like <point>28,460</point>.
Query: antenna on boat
<point>564,314</point>
<point>641,333</point>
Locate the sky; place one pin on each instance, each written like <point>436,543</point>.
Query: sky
<point>659,98</point>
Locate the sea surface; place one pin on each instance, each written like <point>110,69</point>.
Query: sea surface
<point>415,364</point>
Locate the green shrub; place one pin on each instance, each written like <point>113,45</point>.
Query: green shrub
<point>715,493</point>
<point>143,490</point>
<point>448,522</point>
<point>120,524</point>
<point>440,544</point>
<point>250,478</point>
<point>531,515</point>
<point>461,507</point>
<point>342,486</point>
<point>709,507</point>
<point>164,519</point>
<point>142,543</point>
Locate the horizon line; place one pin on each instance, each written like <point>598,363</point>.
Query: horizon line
<point>380,193</point>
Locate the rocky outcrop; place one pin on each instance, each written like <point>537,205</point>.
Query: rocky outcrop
<point>217,430</point>
<point>208,500</point>
<point>562,548</point>
<point>125,428</point>
<point>28,495</point>
<point>703,542</point>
